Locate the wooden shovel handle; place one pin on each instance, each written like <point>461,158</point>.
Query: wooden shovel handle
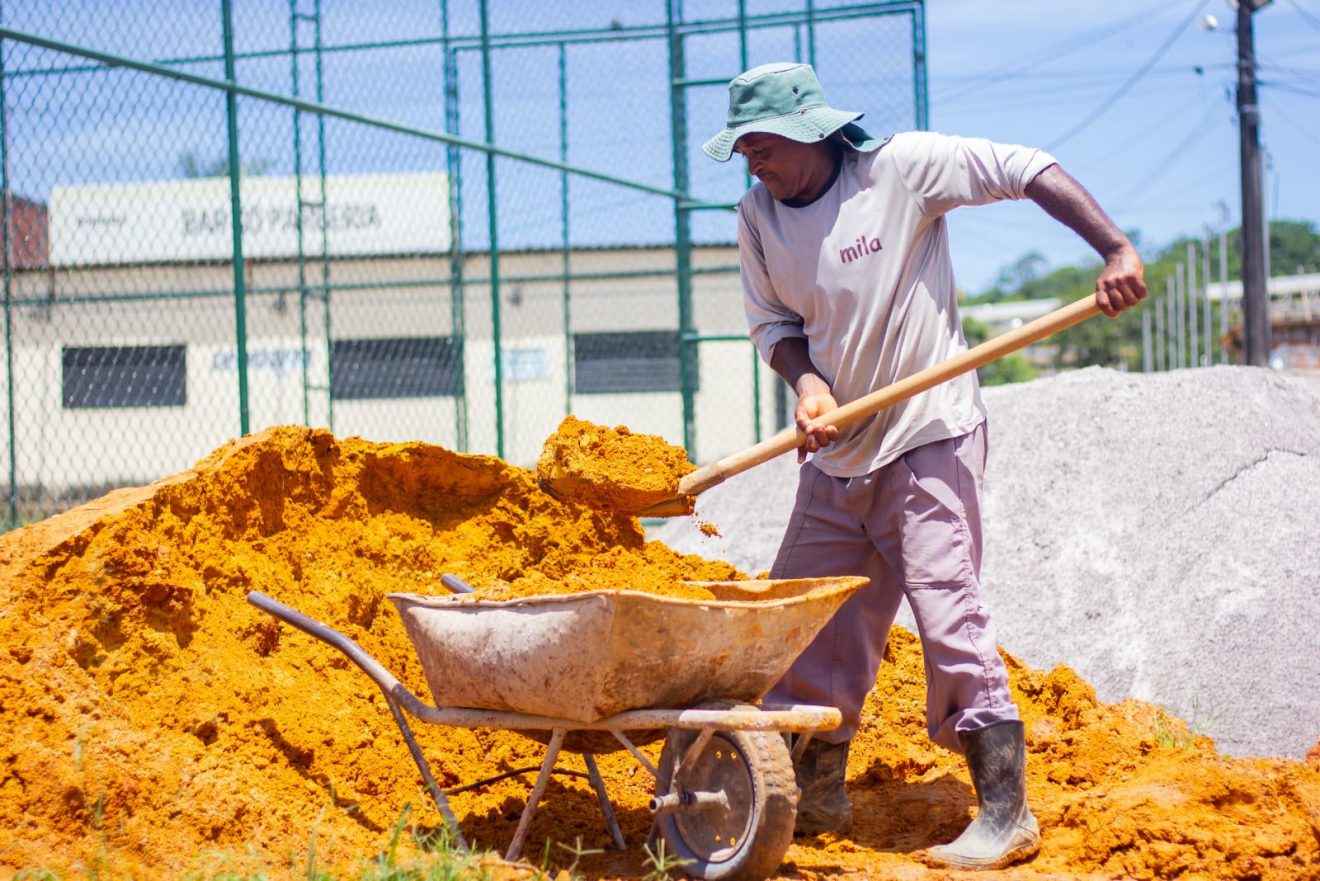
<point>868,405</point>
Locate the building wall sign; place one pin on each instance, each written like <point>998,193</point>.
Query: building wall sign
<point>189,220</point>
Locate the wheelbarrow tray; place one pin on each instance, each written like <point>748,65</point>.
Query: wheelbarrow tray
<point>587,656</point>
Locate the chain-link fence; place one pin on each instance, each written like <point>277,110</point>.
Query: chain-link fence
<point>415,219</point>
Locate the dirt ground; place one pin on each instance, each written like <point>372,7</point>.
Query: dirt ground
<point>160,726</point>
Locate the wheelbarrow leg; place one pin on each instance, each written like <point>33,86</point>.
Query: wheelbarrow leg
<point>593,774</point>
<point>436,795</point>
<point>542,779</point>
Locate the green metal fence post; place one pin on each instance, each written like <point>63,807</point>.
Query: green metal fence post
<point>300,203</point>
<point>811,33</point>
<point>920,97</point>
<point>563,214</point>
<point>324,288</point>
<point>236,219</point>
<point>295,89</point>
<point>756,395</point>
<point>492,214</point>
<point>742,65</point>
<point>682,228</point>
<point>298,215</point>
<point>11,427</point>
<point>457,256</point>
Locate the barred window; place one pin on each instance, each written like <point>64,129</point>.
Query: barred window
<point>398,367</point>
<point>124,376</point>
<point>628,361</point>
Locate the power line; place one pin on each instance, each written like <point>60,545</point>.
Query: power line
<point>1312,20</point>
<point>1107,74</point>
<point>1300,72</point>
<point>1197,131</point>
<point>1275,112</point>
<point>1307,50</point>
<point>1043,100</point>
<point>1292,79</point>
<point>1177,107</point>
<point>1291,87</point>
<point>1132,80</point>
<point>1079,87</point>
<point>1049,53</point>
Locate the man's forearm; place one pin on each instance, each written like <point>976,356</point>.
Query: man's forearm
<point>1121,282</point>
<point>791,360</point>
<point>1068,202</point>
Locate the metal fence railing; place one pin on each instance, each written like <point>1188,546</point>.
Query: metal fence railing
<point>446,220</point>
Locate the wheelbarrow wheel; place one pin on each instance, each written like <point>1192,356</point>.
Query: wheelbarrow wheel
<point>745,834</point>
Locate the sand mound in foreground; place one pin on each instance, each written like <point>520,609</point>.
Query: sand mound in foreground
<point>160,726</point>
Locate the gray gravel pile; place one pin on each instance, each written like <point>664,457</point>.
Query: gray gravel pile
<point>1160,534</point>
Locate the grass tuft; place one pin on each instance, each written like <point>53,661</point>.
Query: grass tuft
<point>662,864</point>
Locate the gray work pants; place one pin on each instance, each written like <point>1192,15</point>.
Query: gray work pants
<point>914,528</point>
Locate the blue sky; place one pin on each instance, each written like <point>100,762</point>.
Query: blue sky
<point>1134,97</point>
<point>1136,100</point>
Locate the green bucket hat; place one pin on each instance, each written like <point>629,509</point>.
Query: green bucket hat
<point>784,99</point>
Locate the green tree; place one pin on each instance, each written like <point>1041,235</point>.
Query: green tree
<point>1294,250</point>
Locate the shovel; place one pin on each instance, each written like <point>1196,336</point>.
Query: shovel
<point>868,405</point>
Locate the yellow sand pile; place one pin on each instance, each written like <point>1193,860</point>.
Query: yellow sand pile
<point>156,724</point>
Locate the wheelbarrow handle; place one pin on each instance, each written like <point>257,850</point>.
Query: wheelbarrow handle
<point>395,693</point>
<point>388,683</point>
<point>455,584</point>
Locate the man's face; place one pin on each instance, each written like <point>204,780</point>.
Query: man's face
<point>784,167</point>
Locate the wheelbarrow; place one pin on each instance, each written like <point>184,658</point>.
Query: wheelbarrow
<point>601,671</point>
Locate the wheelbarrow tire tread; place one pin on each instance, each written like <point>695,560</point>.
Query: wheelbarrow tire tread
<point>773,809</point>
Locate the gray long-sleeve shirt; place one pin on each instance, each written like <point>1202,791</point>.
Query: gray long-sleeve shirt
<point>864,275</point>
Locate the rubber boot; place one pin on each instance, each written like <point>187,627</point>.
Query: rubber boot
<point>1004,830</point>
<point>823,804</point>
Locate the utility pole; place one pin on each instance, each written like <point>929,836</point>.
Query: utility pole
<point>1255,297</point>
